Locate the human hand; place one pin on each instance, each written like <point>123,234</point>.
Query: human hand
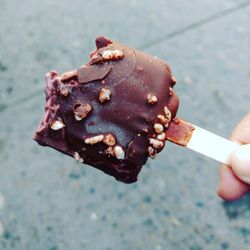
<point>235,179</point>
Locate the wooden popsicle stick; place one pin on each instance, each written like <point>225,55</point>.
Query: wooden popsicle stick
<point>201,140</point>
<point>211,145</point>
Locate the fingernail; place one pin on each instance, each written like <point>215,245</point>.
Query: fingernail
<point>240,162</point>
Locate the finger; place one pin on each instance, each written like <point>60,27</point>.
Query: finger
<point>230,187</point>
<point>241,133</point>
<point>240,162</point>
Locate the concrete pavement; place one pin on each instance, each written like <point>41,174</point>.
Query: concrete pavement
<point>47,201</point>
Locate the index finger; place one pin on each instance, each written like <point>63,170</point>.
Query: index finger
<point>230,187</point>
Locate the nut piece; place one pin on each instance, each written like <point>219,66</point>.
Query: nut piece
<point>104,94</point>
<point>158,128</point>
<point>56,125</point>
<point>151,152</point>
<point>77,157</point>
<point>152,99</point>
<point>109,140</point>
<point>112,54</point>
<point>96,58</point>
<point>156,143</point>
<point>167,113</point>
<point>93,140</point>
<point>162,119</point>
<point>170,91</point>
<point>161,136</point>
<point>119,153</point>
<point>81,111</point>
<point>64,91</point>
<point>67,75</point>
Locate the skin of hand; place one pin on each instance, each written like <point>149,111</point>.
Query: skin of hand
<point>234,178</point>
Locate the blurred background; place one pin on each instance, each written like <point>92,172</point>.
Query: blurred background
<point>48,201</point>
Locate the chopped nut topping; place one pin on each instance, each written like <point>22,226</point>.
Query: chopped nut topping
<point>109,140</point>
<point>81,111</point>
<point>167,113</point>
<point>77,157</point>
<point>163,120</point>
<point>119,153</point>
<point>109,151</point>
<point>67,75</point>
<point>96,58</point>
<point>64,91</point>
<point>156,143</point>
<point>112,54</point>
<point>93,140</point>
<point>104,94</point>
<point>170,91</point>
<point>56,125</point>
<point>158,128</point>
<point>161,136</point>
<point>152,99</point>
<point>151,152</point>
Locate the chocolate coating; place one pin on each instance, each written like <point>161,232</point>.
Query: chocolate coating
<point>139,95</point>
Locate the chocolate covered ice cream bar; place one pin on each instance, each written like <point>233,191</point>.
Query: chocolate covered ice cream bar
<point>112,113</point>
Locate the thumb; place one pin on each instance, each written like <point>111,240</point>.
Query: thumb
<point>240,163</point>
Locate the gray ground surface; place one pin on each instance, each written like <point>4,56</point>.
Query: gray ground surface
<point>47,201</point>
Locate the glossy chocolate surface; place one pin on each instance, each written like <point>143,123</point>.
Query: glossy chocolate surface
<point>111,113</point>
